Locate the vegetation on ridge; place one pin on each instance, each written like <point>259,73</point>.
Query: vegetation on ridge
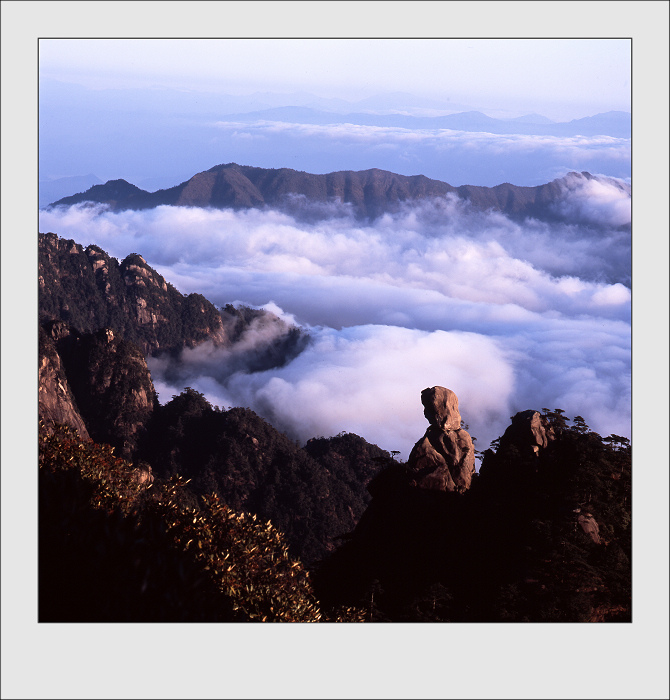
<point>311,494</point>
<point>116,547</point>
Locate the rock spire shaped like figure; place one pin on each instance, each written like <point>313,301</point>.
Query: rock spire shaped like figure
<point>444,459</point>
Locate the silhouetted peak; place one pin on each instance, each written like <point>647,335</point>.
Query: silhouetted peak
<point>370,193</point>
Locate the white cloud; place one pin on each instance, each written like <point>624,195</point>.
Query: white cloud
<point>366,380</point>
<point>601,201</point>
<point>509,315</point>
<point>476,142</point>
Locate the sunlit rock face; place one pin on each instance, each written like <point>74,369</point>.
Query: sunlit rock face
<point>96,383</point>
<point>89,290</point>
<point>444,459</point>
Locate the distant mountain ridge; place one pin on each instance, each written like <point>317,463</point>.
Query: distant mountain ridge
<point>614,123</point>
<point>371,193</point>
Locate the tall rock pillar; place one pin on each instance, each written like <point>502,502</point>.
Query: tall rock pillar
<point>444,459</point>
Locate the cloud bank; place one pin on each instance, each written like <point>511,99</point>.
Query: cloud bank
<point>457,157</point>
<point>509,315</point>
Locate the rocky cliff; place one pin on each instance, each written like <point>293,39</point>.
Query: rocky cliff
<point>56,402</point>
<point>89,290</point>
<point>96,383</point>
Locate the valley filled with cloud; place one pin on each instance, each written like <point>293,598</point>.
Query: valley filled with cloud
<point>509,314</point>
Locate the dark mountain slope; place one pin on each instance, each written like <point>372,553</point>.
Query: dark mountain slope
<point>100,386</point>
<point>114,547</point>
<point>99,318</point>
<point>312,496</point>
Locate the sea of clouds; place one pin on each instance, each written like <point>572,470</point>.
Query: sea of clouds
<point>510,315</point>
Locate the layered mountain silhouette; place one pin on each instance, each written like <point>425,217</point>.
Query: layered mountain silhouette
<point>370,193</point>
<point>51,190</point>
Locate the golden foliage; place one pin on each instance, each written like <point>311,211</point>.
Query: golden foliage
<point>247,559</point>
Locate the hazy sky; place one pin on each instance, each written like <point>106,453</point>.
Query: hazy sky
<point>560,78</point>
<point>102,112</point>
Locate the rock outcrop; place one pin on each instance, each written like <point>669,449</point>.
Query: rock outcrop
<point>519,448</point>
<point>589,525</point>
<point>444,459</point>
<point>542,533</point>
<point>96,383</point>
<point>529,432</point>
<point>56,402</point>
<point>89,290</point>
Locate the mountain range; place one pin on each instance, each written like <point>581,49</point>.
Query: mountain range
<point>370,193</point>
